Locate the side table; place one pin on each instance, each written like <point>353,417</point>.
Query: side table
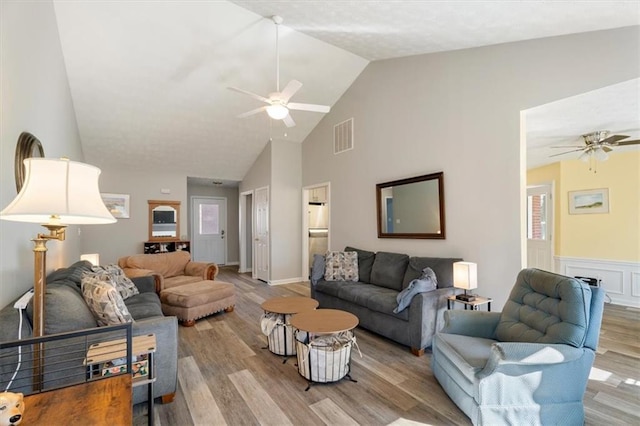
<point>281,341</point>
<point>473,305</point>
<point>323,362</point>
<point>100,357</point>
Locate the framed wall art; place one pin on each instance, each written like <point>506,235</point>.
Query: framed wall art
<point>589,201</point>
<point>117,204</point>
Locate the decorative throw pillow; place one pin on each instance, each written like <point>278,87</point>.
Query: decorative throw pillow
<point>341,266</point>
<point>104,301</point>
<point>118,279</point>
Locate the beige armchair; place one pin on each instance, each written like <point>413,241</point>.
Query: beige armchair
<point>169,269</point>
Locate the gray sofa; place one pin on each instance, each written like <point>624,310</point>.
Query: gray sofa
<point>382,276</point>
<point>66,310</point>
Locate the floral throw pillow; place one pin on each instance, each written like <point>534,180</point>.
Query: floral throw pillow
<point>104,301</point>
<point>341,266</point>
<point>118,279</point>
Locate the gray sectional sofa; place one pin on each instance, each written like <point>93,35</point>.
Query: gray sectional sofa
<point>372,299</point>
<point>66,310</point>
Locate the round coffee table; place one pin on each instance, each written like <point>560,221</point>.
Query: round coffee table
<point>321,358</point>
<point>281,340</point>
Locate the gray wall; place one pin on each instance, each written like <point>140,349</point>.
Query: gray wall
<point>126,237</point>
<point>233,216</point>
<point>279,167</point>
<point>35,97</point>
<point>457,112</point>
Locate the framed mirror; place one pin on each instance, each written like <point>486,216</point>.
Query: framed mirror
<point>28,146</point>
<point>164,220</point>
<point>412,208</point>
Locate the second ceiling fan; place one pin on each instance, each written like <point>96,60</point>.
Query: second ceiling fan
<point>278,104</point>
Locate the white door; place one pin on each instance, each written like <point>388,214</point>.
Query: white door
<point>540,227</point>
<point>261,247</point>
<point>208,225</point>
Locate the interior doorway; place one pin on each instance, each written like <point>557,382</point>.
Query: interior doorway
<point>246,232</point>
<point>315,224</point>
<point>540,227</point>
<point>261,236</point>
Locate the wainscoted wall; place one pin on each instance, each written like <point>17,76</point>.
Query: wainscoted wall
<point>620,279</point>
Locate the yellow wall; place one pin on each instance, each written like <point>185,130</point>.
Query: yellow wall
<point>614,235</point>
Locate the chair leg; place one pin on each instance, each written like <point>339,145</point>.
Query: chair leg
<point>229,309</point>
<point>417,352</point>
<point>168,398</point>
<point>188,323</point>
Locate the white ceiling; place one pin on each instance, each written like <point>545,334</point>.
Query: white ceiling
<point>615,108</point>
<point>148,79</point>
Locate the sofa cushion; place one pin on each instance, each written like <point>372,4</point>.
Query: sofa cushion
<point>331,288</point>
<point>372,297</point>
<point>118,279</point>
<point>104,301</point>
<point>166,264</point>
<point>65,309</point>
<point>365,263</point>
<point>443,268</point>
<point>544,307</point>
<point>144,305</point>
<point>73,273</point>
<point>341,266</point>
<point>388,270</point>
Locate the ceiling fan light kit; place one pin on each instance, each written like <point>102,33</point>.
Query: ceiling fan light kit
<point>596,146</point>
<point>277,111</point>
<point>278,102</point>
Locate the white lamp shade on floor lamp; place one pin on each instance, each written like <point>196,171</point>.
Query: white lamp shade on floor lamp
<point>65,189</point>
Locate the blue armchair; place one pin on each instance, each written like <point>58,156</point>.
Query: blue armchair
<point>528,364</point>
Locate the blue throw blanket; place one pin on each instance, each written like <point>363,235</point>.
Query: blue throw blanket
<point>426,282</point>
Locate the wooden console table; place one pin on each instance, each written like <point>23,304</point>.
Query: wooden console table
<point>98,402</point>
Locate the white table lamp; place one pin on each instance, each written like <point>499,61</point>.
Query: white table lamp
<point>465,276</point>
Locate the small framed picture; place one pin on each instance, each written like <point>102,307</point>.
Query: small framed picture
<point>589,201</point>
<point>117,204</point>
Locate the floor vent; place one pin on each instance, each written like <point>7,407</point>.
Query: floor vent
<point>343,136</point>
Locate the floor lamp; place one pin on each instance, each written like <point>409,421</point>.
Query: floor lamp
<point>56,193</point>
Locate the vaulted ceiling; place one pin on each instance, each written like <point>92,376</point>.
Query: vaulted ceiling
<point>149,79</point>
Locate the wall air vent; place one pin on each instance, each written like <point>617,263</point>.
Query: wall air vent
<point>343,136</point>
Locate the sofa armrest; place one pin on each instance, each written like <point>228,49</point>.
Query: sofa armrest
<point>166,355</point>
<point>207,271</point>
<point>137,272</point>
<point>425,316</point>
<point>145,284</point>
<point>471,323</point>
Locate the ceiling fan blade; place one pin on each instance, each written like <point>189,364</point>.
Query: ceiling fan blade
<point>253,95</point>
<point>568,152</point>
<point>568,146</point>
<point>292,87</point>
<point>308,107</point>
<point>633,142</point>
<point>613,139</point>
<point>253,111</point>
<point>288,121</point>
<point>606,149</point>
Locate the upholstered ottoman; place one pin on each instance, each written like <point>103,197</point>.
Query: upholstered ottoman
<point>191,301</point>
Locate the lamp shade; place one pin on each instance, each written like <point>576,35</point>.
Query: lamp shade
<point>465,275</point>
<point>60,187</point>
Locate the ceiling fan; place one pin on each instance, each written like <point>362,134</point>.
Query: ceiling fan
<point>597,144</point>
<point>278,105</point>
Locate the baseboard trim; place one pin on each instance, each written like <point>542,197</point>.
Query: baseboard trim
<point>286,281</point>
<point>619,278</point>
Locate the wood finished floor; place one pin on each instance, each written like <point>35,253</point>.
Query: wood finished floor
<point>225,377</point>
